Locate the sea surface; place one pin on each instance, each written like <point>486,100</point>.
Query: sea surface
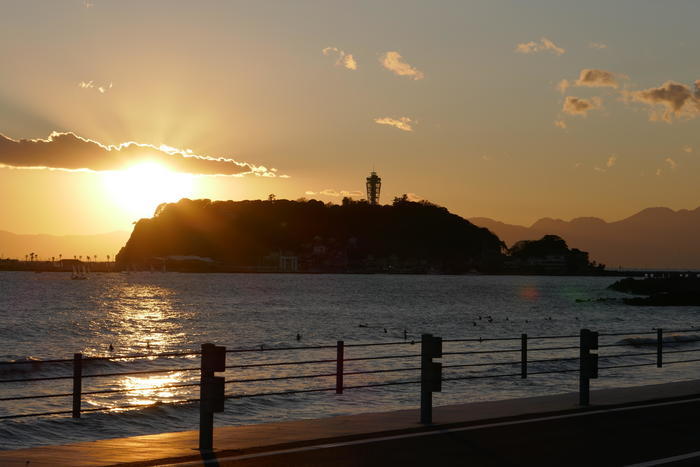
<point>49,316</point>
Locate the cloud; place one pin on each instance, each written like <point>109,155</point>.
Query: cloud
<point>560,124</point>
<point>91,85</point>
<point>67,151</point>
<point>597,45</point>
<point>343,59</point>
<point>403,123</point>
<point>676,99</point>
<point>612,160</point>
<point>687,148</point>
<point>393,61</point>
<point>543,45</point>
<point>597,78</point>
<point>658,172</point>
<point>671,163</point>
<point>578,106</point>
<point>335,193</point>
<point>563,85</point>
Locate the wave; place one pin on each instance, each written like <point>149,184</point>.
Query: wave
<point>36,367</point>
<point>670,339</point>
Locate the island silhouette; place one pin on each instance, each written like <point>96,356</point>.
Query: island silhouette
<point>353,237</point>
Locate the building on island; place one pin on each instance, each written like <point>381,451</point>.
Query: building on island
<point>374,186</point>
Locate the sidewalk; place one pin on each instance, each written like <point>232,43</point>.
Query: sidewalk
<point>178,447</point>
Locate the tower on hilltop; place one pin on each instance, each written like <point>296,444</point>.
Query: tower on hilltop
<point>374,186</point>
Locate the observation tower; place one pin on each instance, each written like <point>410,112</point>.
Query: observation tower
<point>374,186</point>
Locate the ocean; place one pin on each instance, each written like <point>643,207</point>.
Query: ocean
<point>49,316</point>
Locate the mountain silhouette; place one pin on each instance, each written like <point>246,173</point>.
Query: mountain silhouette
<point>655,237</point>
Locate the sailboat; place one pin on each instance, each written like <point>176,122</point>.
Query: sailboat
<point>79,273</point>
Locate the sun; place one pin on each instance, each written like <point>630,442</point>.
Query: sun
<point>139,189</point>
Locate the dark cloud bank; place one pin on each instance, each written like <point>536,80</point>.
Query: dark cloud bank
<point>68,151</point>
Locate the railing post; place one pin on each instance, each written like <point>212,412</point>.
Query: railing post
<point>523,356</point>
<point>430,375</point>
<point>77,383</point>
<point>659,347</point>
<point>340,350</point>
<point>588,364</point>
<point>211,393</point>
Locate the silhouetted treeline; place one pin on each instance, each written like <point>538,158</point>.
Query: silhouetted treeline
<point>353,237</point>
<point>549,255</point>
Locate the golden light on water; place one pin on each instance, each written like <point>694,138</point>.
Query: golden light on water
<point>139,189</point>
<point>146,390</point>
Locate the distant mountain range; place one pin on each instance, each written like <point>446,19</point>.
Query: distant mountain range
<point>45,246</point>
<point>652,238</point>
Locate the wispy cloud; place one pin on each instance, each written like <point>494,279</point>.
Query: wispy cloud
<point>612,160</point>
<point>598,78</point>
<point>544,45</point>
<point>687,148</point>
<point>393,61</point>
<point>335,193</point>
<point>671,163</point>
<point>342,58</point>
<point>67,151</point>
<point>91,85</point>
<point>578,106</point>
<point>563,85</point>
<point>597,45</point>
<point>560,124</point>
<point>402,123</point>
<point>676,100</point>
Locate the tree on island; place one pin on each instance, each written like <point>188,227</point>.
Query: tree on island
<point>351,237</point>
<point>550,253</point>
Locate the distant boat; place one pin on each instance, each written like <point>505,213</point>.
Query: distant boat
<point>79,273</point>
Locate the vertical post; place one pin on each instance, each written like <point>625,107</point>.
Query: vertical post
<point>211,393</point>
<point>659,347</point>
<point>426,395</point>
<point>523,356</point>
<point>588,364</point>
<point>206,416</point>
<point>584,385</point>
<point>430,375</point>
<point>77,383</point>
<point>340,350</point>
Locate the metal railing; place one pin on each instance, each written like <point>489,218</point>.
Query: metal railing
<point>467,353</point>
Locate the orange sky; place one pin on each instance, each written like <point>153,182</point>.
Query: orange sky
<point>509,111</point>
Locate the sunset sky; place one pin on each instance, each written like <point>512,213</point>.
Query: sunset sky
<point>505,109</point>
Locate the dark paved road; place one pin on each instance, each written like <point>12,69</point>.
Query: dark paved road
<point>621,437</point>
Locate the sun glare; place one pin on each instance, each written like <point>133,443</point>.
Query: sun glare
<point>139,189</point>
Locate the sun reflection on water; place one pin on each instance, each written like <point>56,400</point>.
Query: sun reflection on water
<point>147,390</point>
